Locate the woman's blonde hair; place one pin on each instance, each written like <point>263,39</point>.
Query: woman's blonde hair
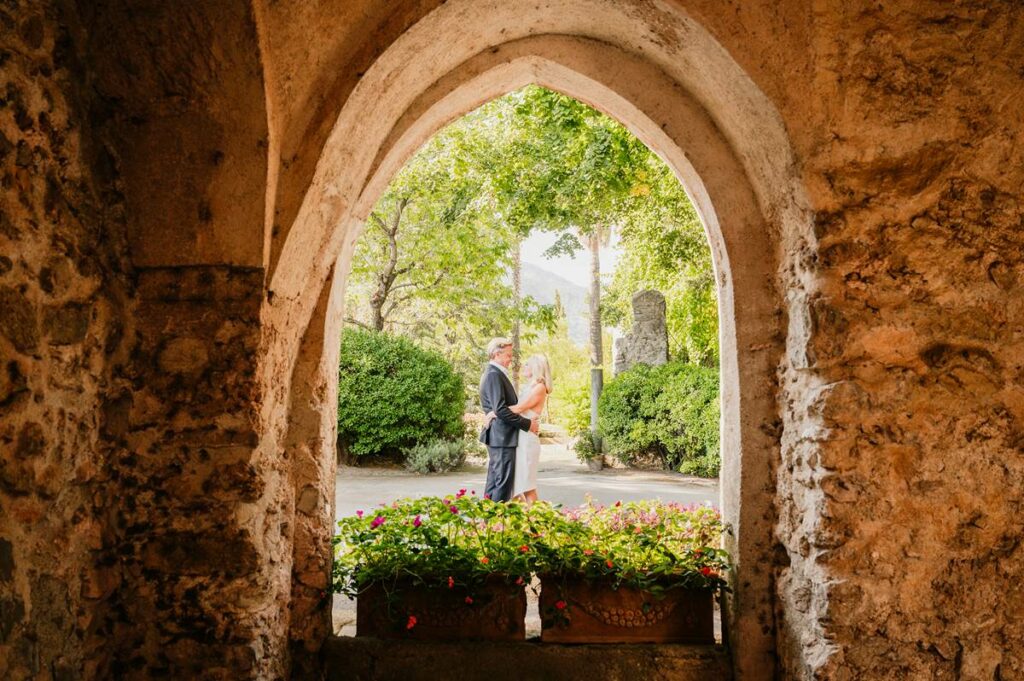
<point>540,369</point>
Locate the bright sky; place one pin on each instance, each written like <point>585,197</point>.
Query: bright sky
<point>576,270</point>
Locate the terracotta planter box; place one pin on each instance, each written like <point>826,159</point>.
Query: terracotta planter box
<point>497,613</point>
<point>596,613</point>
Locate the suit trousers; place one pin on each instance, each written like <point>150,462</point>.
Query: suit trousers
<point>501,463</point>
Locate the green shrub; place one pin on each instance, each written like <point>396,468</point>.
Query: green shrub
<point>583,445</point>
<point>437,456</point>
<point>668,414</point>
<point>393,395</point>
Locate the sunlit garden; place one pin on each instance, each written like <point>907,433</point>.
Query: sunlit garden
<point>539,219</point>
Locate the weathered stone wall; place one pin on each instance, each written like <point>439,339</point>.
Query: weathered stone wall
<point>157,476</point>
<point>902,478</point>
<point>64,316</point>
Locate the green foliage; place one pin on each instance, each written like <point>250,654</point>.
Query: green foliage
<point>668,414</point>
<point>583,445</point>
<point>428,541</point>
<point>392,394</point>
<point>531,160</point>
<point>663,247</point>
<point>461,540</point>
<point>436,456</point>
<point>648,545</point>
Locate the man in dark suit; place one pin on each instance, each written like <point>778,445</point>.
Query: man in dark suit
<point>501,435</point>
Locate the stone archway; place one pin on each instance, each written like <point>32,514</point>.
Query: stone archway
<point>179,180</point>
<point>744,232</point>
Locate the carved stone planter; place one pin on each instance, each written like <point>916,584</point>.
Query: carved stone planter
<point>575,611</point>
<point>497,612</point>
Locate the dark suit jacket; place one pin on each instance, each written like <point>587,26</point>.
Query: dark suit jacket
<point>497,394</point>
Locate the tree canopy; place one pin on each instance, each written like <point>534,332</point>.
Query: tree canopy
<point>433,264</point>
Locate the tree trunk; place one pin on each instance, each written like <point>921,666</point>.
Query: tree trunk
<point>596,351</point>
<point>517,295</point>
<point>386,277</point>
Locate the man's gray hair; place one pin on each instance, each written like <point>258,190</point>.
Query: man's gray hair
<point>495,345</point>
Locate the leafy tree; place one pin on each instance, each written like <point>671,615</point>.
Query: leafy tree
<point>432,262</point>
<point>663,247</point>
<point>571,169</point>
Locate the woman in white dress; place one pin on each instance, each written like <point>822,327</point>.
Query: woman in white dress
<point>532,397</point>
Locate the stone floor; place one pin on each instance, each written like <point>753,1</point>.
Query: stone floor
<point>560,479</point>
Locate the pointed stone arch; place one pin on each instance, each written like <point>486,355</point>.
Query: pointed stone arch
<point>729,150</point>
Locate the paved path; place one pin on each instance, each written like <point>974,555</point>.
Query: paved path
<point>560,479</point>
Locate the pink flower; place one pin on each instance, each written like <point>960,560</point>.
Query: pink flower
<point>416,522</point>
<point>359,514</point>
<point>462,493</point>
<point>588,552</point>
<point>469,600</point>
<point>453,509</point>
<point>472,492</point>
<point>377,522</point>
<point>519,580</point>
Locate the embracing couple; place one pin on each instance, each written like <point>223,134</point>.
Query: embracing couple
<point>512,424</point>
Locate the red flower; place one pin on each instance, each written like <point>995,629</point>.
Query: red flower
<point>411,623</point>
<point>453,509</point>
<point>609,563</point>
<point>377,522</point>
<point>451,583</point>
<point>524,548</point>
<point>588,552</point>
<point>485,560</point>
<point>519,580</point>
<point>469,600</point>
<point>706,571</point>
<point>416,522</point>
<point>462,493</point>
<point>618,503</point>
<point>560,605</point>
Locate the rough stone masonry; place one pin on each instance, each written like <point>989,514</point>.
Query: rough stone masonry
<point>179,185</point>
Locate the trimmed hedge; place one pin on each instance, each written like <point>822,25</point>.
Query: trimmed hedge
<point>668,414</point>
<point>394,395</point>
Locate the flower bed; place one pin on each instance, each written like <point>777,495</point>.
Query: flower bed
<point>455,567</point>
<point>634,572</point>
<point>452,567</point>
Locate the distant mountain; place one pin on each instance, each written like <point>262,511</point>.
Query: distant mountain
<point>541,285</point>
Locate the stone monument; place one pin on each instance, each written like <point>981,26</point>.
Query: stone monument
<point>647,341</point>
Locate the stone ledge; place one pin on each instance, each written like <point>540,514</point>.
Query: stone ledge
<point>369,659</point>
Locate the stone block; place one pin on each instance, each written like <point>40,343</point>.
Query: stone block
<point>19,322</point>
<point>647,340</point>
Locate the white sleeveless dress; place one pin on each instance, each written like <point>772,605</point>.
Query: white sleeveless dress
<point>527,456</point>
